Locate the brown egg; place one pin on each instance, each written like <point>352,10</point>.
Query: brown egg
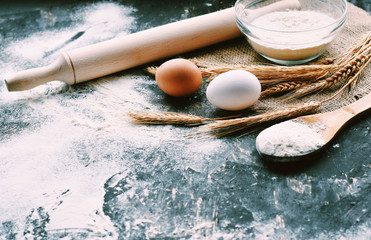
<point>178,77</point>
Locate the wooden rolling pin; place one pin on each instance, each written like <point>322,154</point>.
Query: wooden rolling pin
<point>97,60</point>
<point>93,61</point>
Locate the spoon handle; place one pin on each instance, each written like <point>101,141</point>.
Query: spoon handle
<point>335,120</point>
<point>359,106</point>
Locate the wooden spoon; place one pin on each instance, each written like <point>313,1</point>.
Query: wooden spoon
<point>325,126</point>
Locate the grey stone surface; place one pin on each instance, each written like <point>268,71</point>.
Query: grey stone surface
<point>72,165</point>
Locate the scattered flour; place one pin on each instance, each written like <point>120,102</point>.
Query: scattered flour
<point>289,139</point>
<point>49,183</point>
<point>93,23</point>
<point>282,34</point>
<point>54,169</point>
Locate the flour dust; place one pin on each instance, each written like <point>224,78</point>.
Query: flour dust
<point>61,143</point>
<point>48,187</point>
<point>73,166</point>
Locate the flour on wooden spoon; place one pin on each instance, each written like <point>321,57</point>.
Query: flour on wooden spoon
<point>290,138</point>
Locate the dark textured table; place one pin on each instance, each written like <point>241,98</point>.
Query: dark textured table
<point>72,166</point>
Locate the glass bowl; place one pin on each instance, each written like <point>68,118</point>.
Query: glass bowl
<point>290,32</point>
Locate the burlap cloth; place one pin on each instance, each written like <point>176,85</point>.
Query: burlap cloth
<point>238,51</point>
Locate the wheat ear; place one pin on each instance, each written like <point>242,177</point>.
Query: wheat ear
<point>355,49</point>
<point>326,61</point>
<point>282,88</point>
<point>341,75</point>
<point>349,83</point>
<point>165,118</point>
<point>152,69</point>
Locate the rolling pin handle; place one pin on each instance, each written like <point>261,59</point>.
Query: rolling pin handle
<point>61,70</point>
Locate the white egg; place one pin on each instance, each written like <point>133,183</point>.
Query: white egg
<point>234,90</point>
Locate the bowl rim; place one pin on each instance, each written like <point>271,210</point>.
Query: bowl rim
<point>338,21</point>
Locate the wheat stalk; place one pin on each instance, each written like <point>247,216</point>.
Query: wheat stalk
<point>224,127</point>
<point>303,79</point>
<point>169,118</point>
<point>219,127</point>
<point>269,75</point>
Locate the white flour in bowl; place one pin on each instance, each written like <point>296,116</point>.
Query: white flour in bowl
<point>288,35</point>
<point>289,139</point>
